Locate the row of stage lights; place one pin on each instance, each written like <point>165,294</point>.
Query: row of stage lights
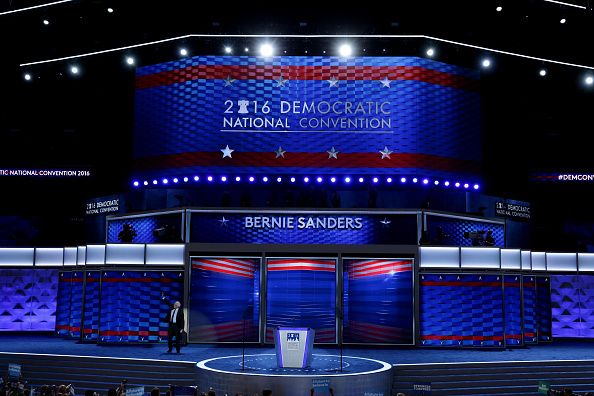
<point>345,50</point>
<point>306,180</point>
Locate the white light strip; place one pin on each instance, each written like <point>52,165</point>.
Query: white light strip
<point>566,4</point>
<point>33,7</point>
<point>310,37</point>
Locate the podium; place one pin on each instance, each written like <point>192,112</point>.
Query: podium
<point>293,346</point>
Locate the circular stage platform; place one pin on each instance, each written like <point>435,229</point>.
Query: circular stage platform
<point>359,376</point>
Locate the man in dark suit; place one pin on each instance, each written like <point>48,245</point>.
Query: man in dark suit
<point>176,320</point>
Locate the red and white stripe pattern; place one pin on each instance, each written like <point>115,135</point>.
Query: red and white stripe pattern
<point>364,268</point>
<point>325,335</point>
<point>228,332</point>
<point>229,266</point>
<point>302,264</point>
<point>369,332</point>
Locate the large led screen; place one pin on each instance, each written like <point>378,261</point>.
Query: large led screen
<point>530,310</point>
<point>225,299</point>
<point>131,306</point>
<point>304,114</point>
<point>28,299</point>
<point>302,293</point>
<point>512,300</point>
<point>63,303</point>
<point>543,308</point>
<point>572,301</point>
<point>378,301</point>
<point>90,323</point>
<point>461,310</point>
<point>163,228</point>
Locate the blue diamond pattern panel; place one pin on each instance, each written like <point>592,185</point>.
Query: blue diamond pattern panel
<point>530,310</point>
<point>131,306</point>
<point>302,293</point>
<point>28,299</point>
<point>566,297</point>
<point>543,308</point>
<point>64,299</point>
<point>512,300</point>
<point>225,299</point>
<point>424,115</point>
<point>460,232</point>
<point>91,306</point>
<point>378,301</point>
<point>165,228</point>
<point>303,228</point>
<point>458,310</point>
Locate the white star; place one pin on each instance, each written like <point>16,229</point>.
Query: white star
<point>385,221</point>
<point>385,152</point>
<point>227,152</point>
<point>280,82</point>
<point>333,81</point>
<point>333,153</point>
<point>223,222</point>
<point>385,82</point>
<point>229,81</point>
<point>280,152</point>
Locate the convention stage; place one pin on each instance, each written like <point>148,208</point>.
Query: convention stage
<point>47,359</point>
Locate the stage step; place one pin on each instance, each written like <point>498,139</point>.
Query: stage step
<point>98,373</point>
<point>494,378</point>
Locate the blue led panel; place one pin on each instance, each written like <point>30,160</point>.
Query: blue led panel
<point>513,310</point>
<point>530,310</point>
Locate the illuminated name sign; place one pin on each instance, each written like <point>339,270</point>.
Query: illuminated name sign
<point>103,206</point>
<point>309,222</point>
<point>514,211</point>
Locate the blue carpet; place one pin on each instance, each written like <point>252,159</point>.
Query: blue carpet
<point>559,350</point>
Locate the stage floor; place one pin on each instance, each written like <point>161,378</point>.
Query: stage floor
<point>558,350</point>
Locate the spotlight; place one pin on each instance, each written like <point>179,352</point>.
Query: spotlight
<point>183,52</point>
<point>347,179</point>
<point>415,180</point>
<point>486,63</point>
<point>457,184</point>
<point>425,181</point>
<point>165,181</point>
<point>589,80</point>
<point>228,50</point>
<point>45,22</point>
<point>361,180</point>
<point>389,180</point>
<point>292,180</point>
<point>319,179</point>
<point>246,49</point>
<point>110,10</point>
<point>185,179</point>
<point>436,182</point>
<point>135,184</point>
<point>542,72</point>
<point>465,185</point>
<point>279,179</point>
<point>251,179</point>
<point>430,52</point>
<point>237,178</point>
<point>499,9</point>
<point>74,70</point>
<point>265,179</point>
<point>175,179</point>
<point>145,183</point>
<point>447,183</point>
<point>562,21</point>
<point>332,180</point>
<point>155,182</point>
<point>130,60</point>
<point>476,186</point>
<point>223,178</point>
<point>27,77</point>
<point>266,50</point>
<point>209,178</point>
<point>306,179</point>
<point>345,50</point>
<point>375,180</point>
<point>196,178</point>
<point>403,180</point>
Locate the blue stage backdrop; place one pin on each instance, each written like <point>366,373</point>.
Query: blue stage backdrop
<point>378,301</point>
<point>91,306</point>
<point>460,232</point>
<point>307,115</point>
<point>161,228</point>
<point>131,305</point>
<point>304,228</point>
<point>543,308</point>
<point>225,299</point>
<point>530,310</point>
<point>302,293</point>
<point>572,299</point>
<point>513,309</point>
<point>63,303</point>
<point>28,299</point>
<point>461,310</point>
<point>76,301</point>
